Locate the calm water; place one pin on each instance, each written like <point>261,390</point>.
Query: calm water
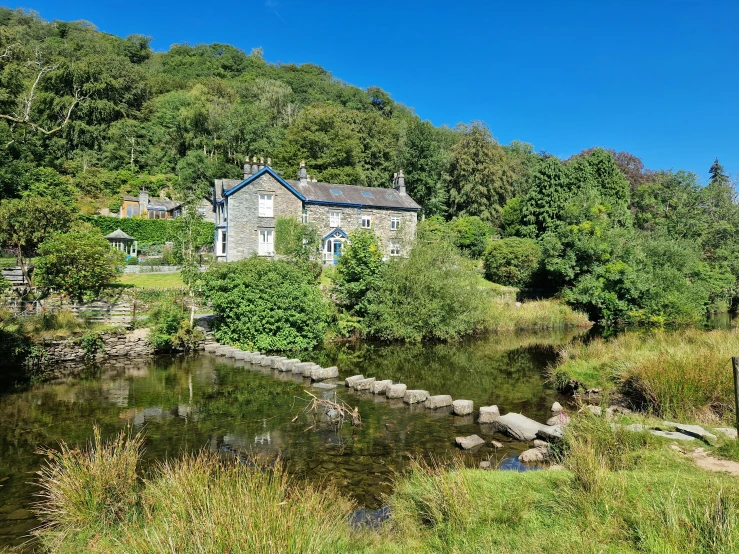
<point>185,404</point>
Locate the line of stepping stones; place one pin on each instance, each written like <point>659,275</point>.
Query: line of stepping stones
<point>514,425</point>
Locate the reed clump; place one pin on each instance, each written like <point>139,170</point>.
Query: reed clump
<point>679,374</point>
<point>507,315</point>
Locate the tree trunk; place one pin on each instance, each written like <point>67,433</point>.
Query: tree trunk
<point>23,267</point>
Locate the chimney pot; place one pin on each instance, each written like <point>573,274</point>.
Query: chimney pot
<point>269,162</point>
<point>399,184</point>
<point>247,168</point>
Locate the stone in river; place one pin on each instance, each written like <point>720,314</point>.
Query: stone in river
<point>323,373</point>
<point>396,391</point>
<point>462,407</point>
<point>324,386</point>
<point>438,401</point>
<point>364,384</point>
<point>287,365</point>
<point>415,396</point>
<point>560,418</point>
<point>488,414</point>
<point>532,455</point>
<point>350,380</point>
<point>211,347</point>
<point>276,361</point>
<point>379,387</point>
<point>518,426</point>
<point>485,464</point>
<point>468,443</point>
<point>303,368</point>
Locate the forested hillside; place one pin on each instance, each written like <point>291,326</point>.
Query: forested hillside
<point>86,117</point>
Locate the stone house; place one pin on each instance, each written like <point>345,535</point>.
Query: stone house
<point>246,212</point>
<point>153,208</point>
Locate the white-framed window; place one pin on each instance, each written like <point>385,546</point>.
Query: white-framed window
<point>394,223</point>
<point>266,242</point>
<point>221,242</point>
<point>366,222</point>
<point>394,248</point>
<point>266,202</point>
<point>304,216</point>
<point>334,219</point>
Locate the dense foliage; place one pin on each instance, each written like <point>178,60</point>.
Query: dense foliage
<point>78,264</point>
<point>358,272</point>
<point>152,231</point>
<point>266,306</point>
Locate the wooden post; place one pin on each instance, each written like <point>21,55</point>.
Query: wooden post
<point>735,365</point>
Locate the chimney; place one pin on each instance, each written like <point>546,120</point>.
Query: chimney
<point>247,168</point>
<point>313,180</point>
<point>143,201</point>
<point>269,162</point>
<point>261,164</point>
<point>399,184</point>
<point>302,174</point>
<point>218,190</point>
<point>254,167</point>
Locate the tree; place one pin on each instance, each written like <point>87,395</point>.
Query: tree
<point>471,235</point>
<point>295,240</point>
<point>511,261</point>
<point>358,272</point>
<point>717,173</point>
<point>480,175</point>
<point>26,223</point>
<point>79,264</point>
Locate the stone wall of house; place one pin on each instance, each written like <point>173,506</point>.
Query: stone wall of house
<point>351,219</point>
<point>244,222</point>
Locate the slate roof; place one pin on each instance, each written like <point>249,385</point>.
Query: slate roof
<point>120,235</point>
<point>328,193</point>
<point>166,204</point>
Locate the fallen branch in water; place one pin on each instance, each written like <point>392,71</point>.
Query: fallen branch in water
<point>336,412</point>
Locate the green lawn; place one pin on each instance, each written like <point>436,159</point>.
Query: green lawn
<point>153,280</point>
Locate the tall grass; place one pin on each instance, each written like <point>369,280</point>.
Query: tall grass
<point>507,315</point>
<point>94,500</point>
<point>681,374</point>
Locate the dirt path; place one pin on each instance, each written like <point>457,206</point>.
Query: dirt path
<point>709,463</point>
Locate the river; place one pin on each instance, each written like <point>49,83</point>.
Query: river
<point>188,403</point>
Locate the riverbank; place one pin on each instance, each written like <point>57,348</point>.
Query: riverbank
<point>684,374</point>
<point>595,502</point>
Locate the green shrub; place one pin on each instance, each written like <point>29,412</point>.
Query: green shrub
<point>267,305</point>
<point>295,240</point>
<point>172,330</point>
<point>79,264</point>
<point>511,261</point>
<point>432,294</point>
<point>358,272</point>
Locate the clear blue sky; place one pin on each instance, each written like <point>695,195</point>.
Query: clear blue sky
<point>658,78</point>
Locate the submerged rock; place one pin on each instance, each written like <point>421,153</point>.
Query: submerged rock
<point>462,407</point>
<point>468,443</point>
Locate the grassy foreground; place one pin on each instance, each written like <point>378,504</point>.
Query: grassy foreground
<point>681,374</point>
<point>618,492</point>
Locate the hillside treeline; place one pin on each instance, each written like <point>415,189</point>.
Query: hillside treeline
<point>86,116</point>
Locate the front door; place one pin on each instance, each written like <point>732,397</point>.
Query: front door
<point>337,250</point>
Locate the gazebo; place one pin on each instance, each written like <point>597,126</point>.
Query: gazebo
<point>123,242</point>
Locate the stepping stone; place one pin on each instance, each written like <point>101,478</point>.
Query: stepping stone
<point>557,407</point>
<point>257,360</point>
<point>438,401</point>
<point>488,414</point>
<point>364,384</point>
<point>303,368</point>
<point>211,347</point>
<point>672,435</point>
<point>693,430</point>
<point>251,355</point>
<point>468,443</point>
<point>349,382</point>
<point>232,353</point>
<point>222,350</point>
<point>379,387</point>
<point>415,396</point>
<point>276,360</point>
<point>287,365</point>
<point>323,373</point>
<point>728,431</point>
<point>239,355</point>
<point>462,407</point>
<point>519,426</point>
<point>324,386</point>
<point>396,391</point>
